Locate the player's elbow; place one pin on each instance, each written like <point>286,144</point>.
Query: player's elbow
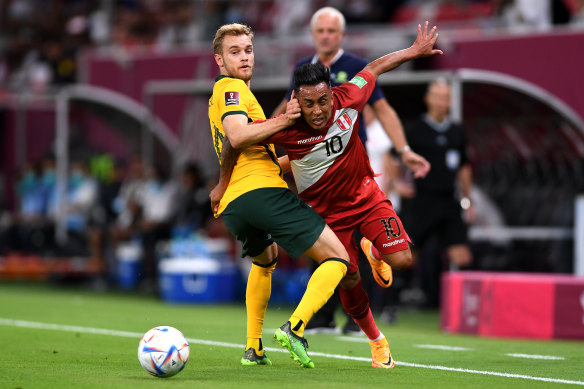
<point>238,140</point>
<point>373,70</point>
<point>236,143</point>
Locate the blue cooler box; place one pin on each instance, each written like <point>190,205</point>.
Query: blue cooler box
<point>198,280</point>
<point>129,266</point>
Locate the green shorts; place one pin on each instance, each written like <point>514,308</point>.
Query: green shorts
<point>266,215</point>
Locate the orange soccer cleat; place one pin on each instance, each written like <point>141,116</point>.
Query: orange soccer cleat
<point>381,355</point>
<point>381,270</point>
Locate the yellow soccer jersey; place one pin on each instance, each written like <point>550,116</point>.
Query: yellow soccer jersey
<point>256,166</point>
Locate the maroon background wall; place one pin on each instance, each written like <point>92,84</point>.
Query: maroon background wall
<point>40,132</point>
<point>554,61</point>
<point>130,74</point>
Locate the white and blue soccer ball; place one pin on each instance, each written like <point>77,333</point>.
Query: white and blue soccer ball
<point>163,351</point>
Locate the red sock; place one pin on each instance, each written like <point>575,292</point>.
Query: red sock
<point>356,304</point>
<point>367,324</point>
<point>376,254</point>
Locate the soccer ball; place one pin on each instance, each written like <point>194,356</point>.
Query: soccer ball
<point>163,351</point>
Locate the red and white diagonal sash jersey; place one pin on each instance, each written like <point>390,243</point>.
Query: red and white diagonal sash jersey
<point>330,166</point>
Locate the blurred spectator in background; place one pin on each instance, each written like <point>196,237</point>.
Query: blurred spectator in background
<point>80,199</point>
<point>30,230</point>
<point>127,203</point>
<point>291,15</point>
<point>135,27</point>
<point>41,40</point>
<point>431,206</point>
<point>159,204</point>
<point>194,205</point>
<point>105,213</point>
<point>178,25</point>
<point>530,15</point>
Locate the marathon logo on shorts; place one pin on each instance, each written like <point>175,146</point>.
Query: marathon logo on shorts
<point>231,98</point>
<point>359,81</point>
<point>344,122</point>
<point>394,243</point>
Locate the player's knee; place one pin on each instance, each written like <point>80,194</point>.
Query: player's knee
<point>350,280</point>
<point>328,246</point>
<point>267,257</point>
<point>338,250</point>
<point>401,260</point>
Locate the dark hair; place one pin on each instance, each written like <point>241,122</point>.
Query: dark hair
<point>311,74</point>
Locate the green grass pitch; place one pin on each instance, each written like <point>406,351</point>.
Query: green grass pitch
<point>57,337</point>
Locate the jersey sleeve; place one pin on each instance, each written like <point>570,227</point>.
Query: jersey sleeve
<point>277,138</point>
<point>357,65</point>
<point>235,99</point>
<point>356,92</point>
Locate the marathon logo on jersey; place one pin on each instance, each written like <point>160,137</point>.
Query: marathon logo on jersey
<point>308,140</point>
<point>393,243</point>
<point>359,81</point>
<point>231,98</point>
<point>344,122</point>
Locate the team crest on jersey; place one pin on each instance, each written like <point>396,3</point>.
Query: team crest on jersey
<point>344,122</point>
<point>231,98</point>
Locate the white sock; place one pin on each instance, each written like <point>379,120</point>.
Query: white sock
<point>381,336</point>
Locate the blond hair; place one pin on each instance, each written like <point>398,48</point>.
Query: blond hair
<point>331,11</point>
<point>234,29</point>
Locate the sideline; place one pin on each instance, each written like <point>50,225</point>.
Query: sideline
<point>127,334</point>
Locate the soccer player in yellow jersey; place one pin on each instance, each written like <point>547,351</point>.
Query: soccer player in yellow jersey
<point>257,206</point>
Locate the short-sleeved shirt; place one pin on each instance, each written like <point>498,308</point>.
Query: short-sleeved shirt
<point>444,146</point>
<point>322,159</point>
<point>256,166</point>
<point>343,68</point>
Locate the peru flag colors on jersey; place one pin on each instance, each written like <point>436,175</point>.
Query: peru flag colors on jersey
<point>330,166</point>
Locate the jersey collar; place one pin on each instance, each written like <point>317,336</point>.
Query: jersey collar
<point>438,126</point>
<point>222,76</point>
<point>335,58</point>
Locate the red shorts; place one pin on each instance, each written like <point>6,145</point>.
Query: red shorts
<point>381,226</point>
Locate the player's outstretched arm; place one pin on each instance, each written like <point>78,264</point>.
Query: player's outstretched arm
<point>242,135</point>
<point>422,47</point>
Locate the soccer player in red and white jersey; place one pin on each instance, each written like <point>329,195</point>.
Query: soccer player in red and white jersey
<point>332,173</point>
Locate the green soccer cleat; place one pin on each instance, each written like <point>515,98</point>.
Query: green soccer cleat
<point>251,358</point>
<point>295,344</point>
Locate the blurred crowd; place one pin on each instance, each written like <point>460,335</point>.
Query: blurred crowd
<point>108,203</point>
<point>40,39</point>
